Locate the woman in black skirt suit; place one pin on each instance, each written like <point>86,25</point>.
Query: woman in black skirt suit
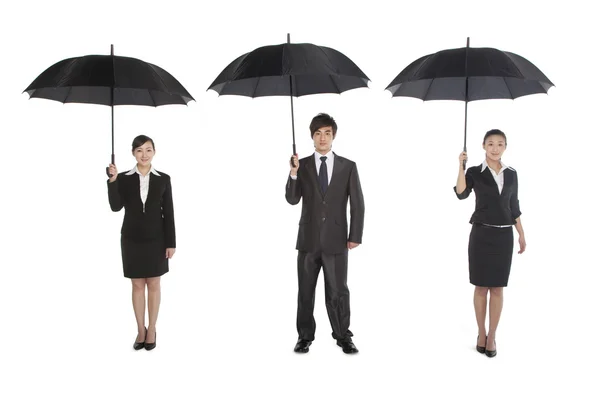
<point>147,234</point>
<point>491,240</point>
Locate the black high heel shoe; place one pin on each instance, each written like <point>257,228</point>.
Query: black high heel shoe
<point>150,346</point>
<point>480,349</point>
<point>140,345</point>
<point>491,353</point>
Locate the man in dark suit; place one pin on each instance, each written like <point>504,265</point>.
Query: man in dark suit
<point>324,181</point>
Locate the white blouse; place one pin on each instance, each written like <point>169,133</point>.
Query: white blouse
<point>499,178</point>
<point>144,183</point>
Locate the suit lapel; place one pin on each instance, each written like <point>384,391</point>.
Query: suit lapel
<point>134,183</point>
<point>487,173</point>
<point>311,172</point>
<point>490,177</point>
<point>338,165</point>
<point>152,183</point>
<point>311,166</point>
<point>508,178</point>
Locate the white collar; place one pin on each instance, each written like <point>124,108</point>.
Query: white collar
<point>135,169</point>
<point>485,165</point>
<point>319,155</point>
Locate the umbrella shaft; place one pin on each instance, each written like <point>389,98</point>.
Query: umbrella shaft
<point>112,119</point>
<point>292,106</point>
<point>465,138</point>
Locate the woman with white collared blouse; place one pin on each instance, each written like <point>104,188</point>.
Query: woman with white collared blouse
<point>491,240</point>
<point>147,234</point>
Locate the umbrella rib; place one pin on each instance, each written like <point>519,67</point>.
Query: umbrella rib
<point>509,91</point>
<point>428,88</point>
<point>330,76</point>
<point>161,80</point>
<point>152,98</point>
<point>256,87</point>
<point>68,93</point>
<point>334,84</point>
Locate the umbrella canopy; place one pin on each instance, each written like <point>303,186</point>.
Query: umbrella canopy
<point>289,69</point>
<point>469,74</point>
<point>91,79</point>
<point>492,74</point>
<point>108,80</point>
<point>267,70</point>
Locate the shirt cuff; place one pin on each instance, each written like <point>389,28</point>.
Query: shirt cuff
<point>294,177</point>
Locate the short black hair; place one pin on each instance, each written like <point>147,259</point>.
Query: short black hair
<point>320,121</point>
<point>494,132</point>
<point>139,141</point>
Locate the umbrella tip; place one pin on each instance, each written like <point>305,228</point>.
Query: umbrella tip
<point>288,38</point>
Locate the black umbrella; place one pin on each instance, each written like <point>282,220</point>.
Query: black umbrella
<point>469,74</point>
<point>110,81</point>
<point>289,69</point>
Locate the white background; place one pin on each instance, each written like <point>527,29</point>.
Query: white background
<point>226,328</point>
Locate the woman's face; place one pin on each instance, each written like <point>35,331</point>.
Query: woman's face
<point>494,147</point>
<point>144,154</point>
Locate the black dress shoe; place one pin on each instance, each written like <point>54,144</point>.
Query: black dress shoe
<point>347,346</point>
<point>479,348</point>
<point>302,346</point>
<point>491,353</point>
<point>150,346</point>
<point>140,345</point>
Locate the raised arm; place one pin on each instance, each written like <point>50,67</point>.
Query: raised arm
<point>464,182</point>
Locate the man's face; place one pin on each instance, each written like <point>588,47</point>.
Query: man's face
<point>323,139</point>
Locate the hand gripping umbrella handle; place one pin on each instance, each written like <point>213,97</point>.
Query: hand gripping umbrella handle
<point>112,159</point>
<point>292,157</point>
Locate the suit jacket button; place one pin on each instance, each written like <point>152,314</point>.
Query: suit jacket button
<point>323,219</point>
<point>324,202</point>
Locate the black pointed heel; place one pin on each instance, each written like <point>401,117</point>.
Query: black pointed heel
<point>480,349</point>
<point>140,345</point>
<point>150,346</point>
<point>491,353</point>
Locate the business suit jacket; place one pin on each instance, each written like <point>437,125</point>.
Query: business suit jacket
<point>492,207</point>
<point>157,219</point>
<point>323,224</point>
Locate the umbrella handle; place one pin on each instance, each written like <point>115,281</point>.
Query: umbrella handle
<point>112,160</point>
<point>292,157</point>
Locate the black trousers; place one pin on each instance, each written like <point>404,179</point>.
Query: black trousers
<point>337,295</point>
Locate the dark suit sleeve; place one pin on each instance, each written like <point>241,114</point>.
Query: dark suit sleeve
<point>169,216</point>
<point>114,196</point>
<point>514,200</point>
<point>469,188</point>
<point>357,207</point>
<point>293,191</point>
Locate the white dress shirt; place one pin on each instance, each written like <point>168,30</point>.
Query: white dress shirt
<point>499,178</point>
<point>144,183</point>
<point>328,162</point>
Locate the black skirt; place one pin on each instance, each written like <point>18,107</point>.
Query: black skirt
<point>144,259</point>
<point>490,255</point>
